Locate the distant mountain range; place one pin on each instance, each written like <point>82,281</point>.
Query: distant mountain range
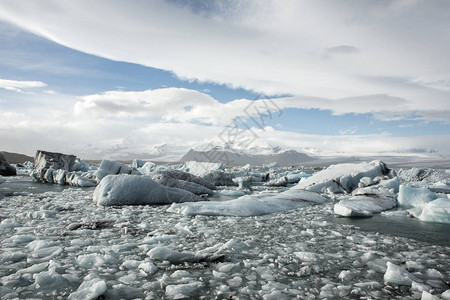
<point>227,156</point>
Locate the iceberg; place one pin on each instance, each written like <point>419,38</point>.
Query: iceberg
<point>436,211</point>
<point>58,168</point>
<point>251,205</point>
<point>362,206</point>
<point>111,167</point>
<point>124,189</point>
<point>146,168</point>
<point>409,197</point>
<point>343,177</point>
<point>202,168</point>
<point>282,181</point>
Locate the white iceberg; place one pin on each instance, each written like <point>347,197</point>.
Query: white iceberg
<point>436,211</point>
<point>342,177</point>
<point>111,167</point>
<point>252,205</point>
<point>409,197</point>
<point>138,190</point>
<point>362,206</point>
<point>147,168</point>
<point>282,181</point>
<point>202,168</point>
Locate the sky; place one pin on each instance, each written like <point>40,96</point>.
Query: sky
<point>354,77</point>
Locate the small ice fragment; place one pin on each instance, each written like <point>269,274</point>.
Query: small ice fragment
<point>91,289</point>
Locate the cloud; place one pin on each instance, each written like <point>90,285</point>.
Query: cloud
<point>185,105</point>
<point>19,86</point>
<point>270,46</point>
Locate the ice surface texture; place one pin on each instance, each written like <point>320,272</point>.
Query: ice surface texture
<point>182,184</point>
<point>138,190</point>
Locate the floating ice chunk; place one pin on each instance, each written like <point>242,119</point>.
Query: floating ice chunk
<point>79,179</point>
<point>9,223</point>
<point>414,197</point>
<point>91,289</point>
<point>137,163</point>
<point>244,182</point>
<point>427,296</point>
<point>420,287</point>
<point>392,183</point>
<point>50,280</point>
<point>146,168</point>
<point>183,291</point>
<point>173,256</point>
<point>202,168</point>
<point>306,256</point>
<point>362,206</point>
<point>282,181</point>
<point>398,275</point>
<point>252,205</point>
<point>2,180</point>
<point>446,295</point>
<point>345,275</point>
<point>123,292</point>
<point>296,177</point>
<point>148,267</point>
<point>19,239</point>
<point>12,256</point>
<point>437,211</point>
<point>110,167</point>
<point>343,177</point>
<point>95,260</point>
<point>138,190</point>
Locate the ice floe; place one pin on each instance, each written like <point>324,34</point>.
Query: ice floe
<point>251,205</point>
<point>362,206</point>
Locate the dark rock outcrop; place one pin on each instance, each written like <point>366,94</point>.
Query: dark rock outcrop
<point>5,168</point>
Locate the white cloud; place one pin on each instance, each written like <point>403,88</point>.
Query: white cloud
<point>184,105</point>
<point>19,86</point>
<point>269,46</point>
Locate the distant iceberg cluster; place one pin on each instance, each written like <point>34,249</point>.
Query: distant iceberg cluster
<point>362,189</point>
